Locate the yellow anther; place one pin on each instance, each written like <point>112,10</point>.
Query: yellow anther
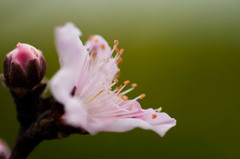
<point>134,85</point>
<point>127,82</point>
<point>142,96</point>
<point>94,54</point>
<point>116,50</point>
<point>114,47</point>
<point>119,60</point>
<point>96,40</point>
<point>125,98</point>
<point>120,94</point>
<point>121,51</point>
<point>116,81</point>
<point>120,87</point>
<point>116,42</point>
<point>102,47</point>
<point>159,109</point>
<point>154,116</point>
<point>90,37</point>
<point>118,73</point>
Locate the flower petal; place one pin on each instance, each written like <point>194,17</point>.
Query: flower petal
<point>69,46</point>
<point>126,124</point>
<point>72,55</point>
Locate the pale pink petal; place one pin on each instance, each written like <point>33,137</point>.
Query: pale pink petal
<point>126,124</point>
<point>75,113</point>
<point>72,55</point>
<point>4,150</point>
<point>69,46</point>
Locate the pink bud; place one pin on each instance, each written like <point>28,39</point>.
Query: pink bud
<point>4,150</point>
<point>24,67</point>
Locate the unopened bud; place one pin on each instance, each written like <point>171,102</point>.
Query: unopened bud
<point>24,67</point>
<point>4,150</point>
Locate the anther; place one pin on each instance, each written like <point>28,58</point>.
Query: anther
<point>114,47</point>
<point>116,81</point>
<point>142,96</point>
<point>159,109</point>
<point>102,47</point>
<point>120,87</point>
<point>96,40</point>
<point>127,82</point>
<point>116,50</point>
<point>94,54</point>
<point>121,51</point>
<point>125,98</point>
<point>90,37</point>
<point>119,60</point>
<point>130,105</point>
<point>120,94</point>
<point>116,42</point>
<point>154,116</point>
<point>134,85</point>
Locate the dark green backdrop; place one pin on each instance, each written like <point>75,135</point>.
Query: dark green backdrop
<point>184,54</point>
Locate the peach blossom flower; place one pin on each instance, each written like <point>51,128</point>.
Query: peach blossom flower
<point>84,86</point>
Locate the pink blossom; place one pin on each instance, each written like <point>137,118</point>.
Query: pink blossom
<point>23,54</point>
<point>84,86</point>
<point>24,67</point>
<point>4,150</point>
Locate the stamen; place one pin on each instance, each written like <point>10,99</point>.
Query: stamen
<point>121,51</point>
<point>102,47</point>
<point>154,116</point>
<point>142,96</point>
<point>114,47</point>
<point>125,98</point>
<point>159,109</point>
<point>119,100</point>
<point>118,74</point>
<point>95,96</point>
<point>116,42</point>
<point>120,87</point>
<point>134,85</point>
<point>139,97</point>
<point>116,81</point>
<point>116,50</point>
<point>120,94</point>
<point>127,82</point>
<point>96,40</point>
<point>90,37</point>
<point>119,60</point>
<point>94,54</point>
<point>130,105</point>
<point>127,91</point>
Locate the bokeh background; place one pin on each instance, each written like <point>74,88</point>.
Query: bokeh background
<point>184,54</point>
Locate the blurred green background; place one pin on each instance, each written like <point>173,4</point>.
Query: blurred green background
<point>184,54</point>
